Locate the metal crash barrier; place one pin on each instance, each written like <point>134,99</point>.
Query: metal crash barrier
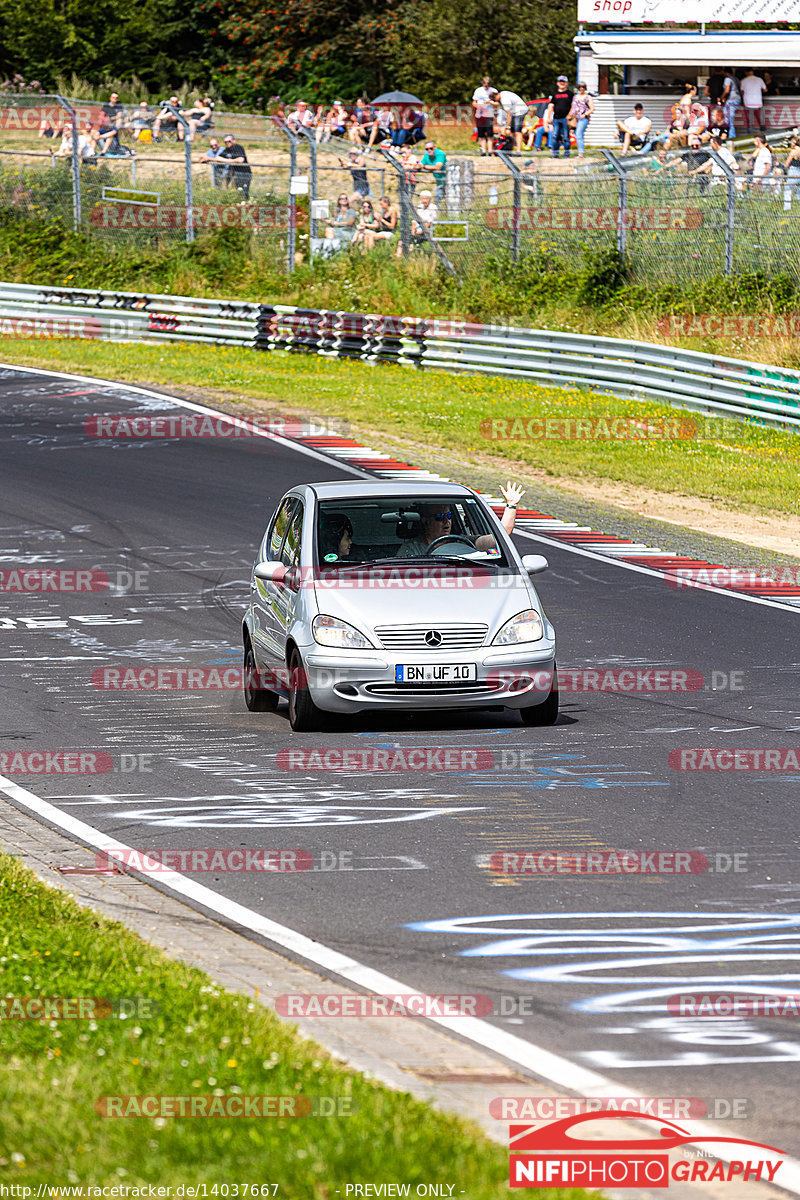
<point>633,370</point>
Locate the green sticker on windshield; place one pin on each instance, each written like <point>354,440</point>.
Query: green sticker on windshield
<point>331,558</point>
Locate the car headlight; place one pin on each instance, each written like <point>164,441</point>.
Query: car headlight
<point>330,631</point>
<point>524,627</point>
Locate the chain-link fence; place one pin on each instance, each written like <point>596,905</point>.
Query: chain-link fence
<point>676,216</point>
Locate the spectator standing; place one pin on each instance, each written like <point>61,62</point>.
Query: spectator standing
<point>791,189</point>
<point>715,87</point>
<point>213,152</point>
<point>483,110</point>
<point>752,89</point>
<point>558,108</point>
<point>635,131</point>
<point>772,87</point>
<point>516,110</point>
<point>731,99</point>
<point>239,173</point>
<point>357,166</point>
<point>435,161</point>
<point>581,113</point>
<point>341,227</point>
<point>762,162</point>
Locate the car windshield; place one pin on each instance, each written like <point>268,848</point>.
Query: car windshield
<point>432,530</point>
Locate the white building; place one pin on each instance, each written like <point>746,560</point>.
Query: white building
<point>622,67</point>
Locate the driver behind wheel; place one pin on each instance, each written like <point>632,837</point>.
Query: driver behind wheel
<point>437,522</point>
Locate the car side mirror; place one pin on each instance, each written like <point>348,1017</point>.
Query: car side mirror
<point>534,563</point>
<point>270,571</point>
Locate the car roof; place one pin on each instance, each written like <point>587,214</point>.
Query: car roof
<point>378,489</point>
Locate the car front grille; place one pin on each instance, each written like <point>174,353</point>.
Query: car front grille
<point>412,637</point>
<point>480,688</point>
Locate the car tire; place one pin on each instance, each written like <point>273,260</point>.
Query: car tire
<point>256,699</point>
<point>304,716</point>
<point>545,713</point>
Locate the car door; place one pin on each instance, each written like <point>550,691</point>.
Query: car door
<point>266,605</point>
<point>289,592</point>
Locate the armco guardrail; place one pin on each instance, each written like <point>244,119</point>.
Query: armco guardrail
<point>639,370</point>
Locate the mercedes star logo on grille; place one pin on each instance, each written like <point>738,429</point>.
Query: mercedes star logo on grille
<point>433,638</point>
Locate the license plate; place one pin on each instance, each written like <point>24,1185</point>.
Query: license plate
<point>436,673</point>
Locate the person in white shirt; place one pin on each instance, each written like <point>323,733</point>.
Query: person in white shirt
<point>753,89</point>
<point>762,163</point>
<point>302,116</point>
<point>698,121</point>
<point>635,131</point>
<point>483,108</point>
<point>428,215</point>
<point>731,99</point>
<point>516,110</point>
<point>712,168</point>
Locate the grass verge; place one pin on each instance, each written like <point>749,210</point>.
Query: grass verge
<point>739,465</point>
<point>199,1041</point>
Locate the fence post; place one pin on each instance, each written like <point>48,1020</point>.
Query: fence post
<point>312,170</point>
<point>730,207</point>
<point>405,202</point>
<point>76,164</point>
<point>517,177</point>
<point>292,239</point>
<point>622,203</point>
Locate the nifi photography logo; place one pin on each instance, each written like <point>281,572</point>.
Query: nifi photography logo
<point>557,1156</point>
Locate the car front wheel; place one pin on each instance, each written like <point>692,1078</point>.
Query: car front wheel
<point>304,716</point>
<point>545,713</point>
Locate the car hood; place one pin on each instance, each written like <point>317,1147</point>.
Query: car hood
<point>428,598</point>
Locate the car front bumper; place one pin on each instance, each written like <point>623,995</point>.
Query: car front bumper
<point>356,680</point>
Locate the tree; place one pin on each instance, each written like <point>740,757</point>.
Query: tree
<point>522,44</point>
<point>323,46</point>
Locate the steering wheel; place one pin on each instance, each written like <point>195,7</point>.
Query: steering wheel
<point>449,537</point>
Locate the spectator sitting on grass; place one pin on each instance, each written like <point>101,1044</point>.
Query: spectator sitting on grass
<point>435,161</point>
<point>65,149</point>
<point>360,122</point>
<point>200,116</point>
<point>388,217</point>
<point>341,227</point>
<point>168,120</point>
<point>712,168</point>
<point>411,128</point>
<point>635,131</point>
<point>382,126</point>
<point>50,129</point>
<point>368,225</point>
<point>717,127</point>
<point>301,117</point>
<point>428,214</point>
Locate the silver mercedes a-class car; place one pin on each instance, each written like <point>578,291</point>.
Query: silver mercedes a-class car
<point>412,596</point>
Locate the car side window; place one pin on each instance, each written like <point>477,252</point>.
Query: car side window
<point>290,551</point>
<point>279,527</point>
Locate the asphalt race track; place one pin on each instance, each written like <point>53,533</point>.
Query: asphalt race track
<point>580,965</point>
